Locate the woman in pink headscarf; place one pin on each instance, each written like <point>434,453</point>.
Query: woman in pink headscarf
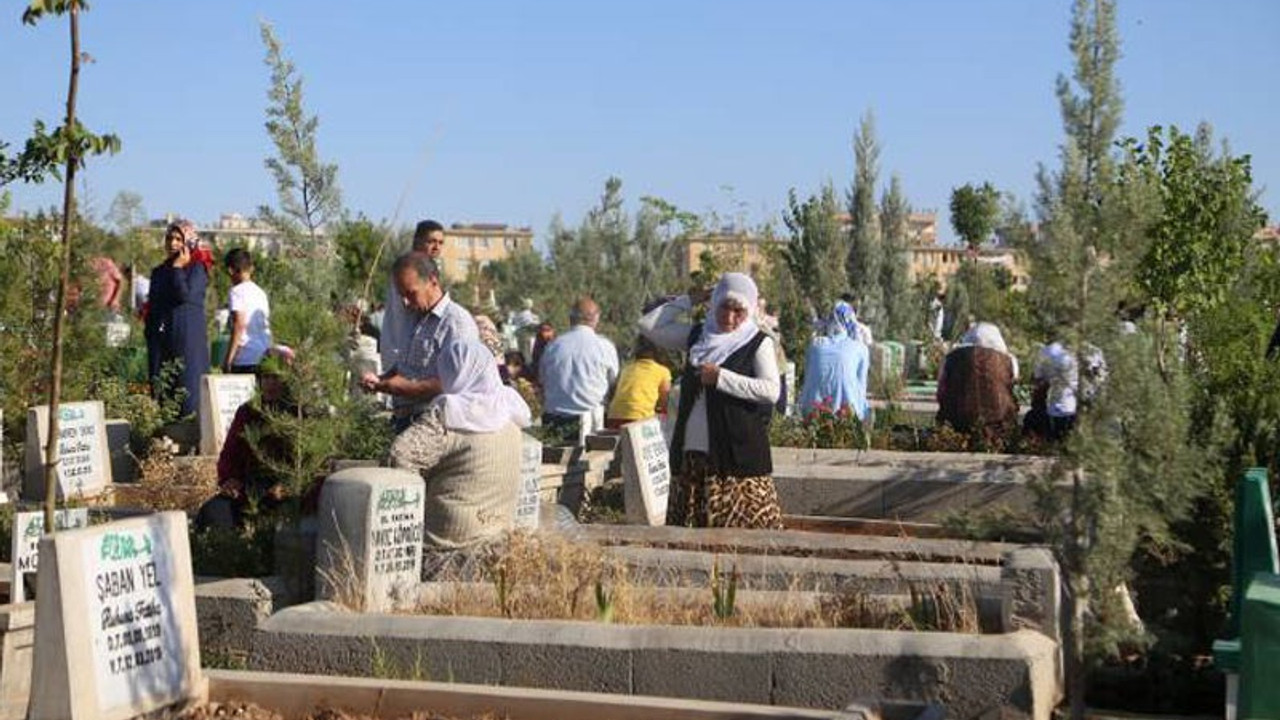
<point>175,331</point>
<point>720,454</point>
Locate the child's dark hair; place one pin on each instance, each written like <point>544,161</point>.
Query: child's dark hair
<point>238,259</point>
<point>645,349</point>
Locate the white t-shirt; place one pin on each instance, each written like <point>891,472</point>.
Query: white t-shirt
<point>249,299</point>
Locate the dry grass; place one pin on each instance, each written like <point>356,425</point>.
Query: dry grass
<point>170,483</point>
<point>551,578</point>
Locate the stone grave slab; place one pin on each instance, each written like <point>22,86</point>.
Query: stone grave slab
<point>527,500</point>
<point>116,621</point>
<point>646,472</point>
<point>28,528</point>
<point>220,397</point>
<point>369,550</point>
<point>123,466</point>
<point>84,461</point>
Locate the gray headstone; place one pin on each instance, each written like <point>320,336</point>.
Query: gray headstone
<point>116,630</point>
<point>28,528</point>
<point>123,466</point>
<point>646,472</point>
<point>220,397</point>
<point>369,549</point>
<point>84,463</point>
<point>526,516</point>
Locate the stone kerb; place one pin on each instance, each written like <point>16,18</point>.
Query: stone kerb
<point>369,550</point>
<point>646,472</point>
<point>220,397</point>
<point>115,621</point>
<point>84,460</point>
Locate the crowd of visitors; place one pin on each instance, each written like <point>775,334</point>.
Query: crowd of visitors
<point>454,379</point>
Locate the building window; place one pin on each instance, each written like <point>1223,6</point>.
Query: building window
<point>484,243</point>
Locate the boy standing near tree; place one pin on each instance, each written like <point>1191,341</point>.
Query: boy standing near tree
<point>250,316</point>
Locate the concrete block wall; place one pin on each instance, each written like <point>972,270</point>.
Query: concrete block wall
<point>1012,675</point>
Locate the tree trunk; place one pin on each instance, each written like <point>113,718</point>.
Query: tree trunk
<point>59,319</point>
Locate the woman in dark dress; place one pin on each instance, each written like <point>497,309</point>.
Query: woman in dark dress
<point>175,318</point>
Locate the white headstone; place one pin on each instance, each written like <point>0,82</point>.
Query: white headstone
<point>84,460</point>
<point>369,548</point>
<point>117,332</point>
<point>646,472</point>
<point>28,528</point>
<point>116,621</point>
<point>790,379</point>
<point>530,483</point>
<point>220,397</point>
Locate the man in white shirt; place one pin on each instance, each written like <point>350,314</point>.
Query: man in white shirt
<point>397,324</point>
<point>250,316</point>
<point>576,371</point>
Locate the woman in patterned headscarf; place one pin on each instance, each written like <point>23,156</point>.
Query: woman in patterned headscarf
<point>721,463</point>
<point>175,319</point>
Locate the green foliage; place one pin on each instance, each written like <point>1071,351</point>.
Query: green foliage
<point>131,401</point>
<point>233,552</point>
<point>812,253</point>
<point>901,318</point>
<point>821,428</point>
<point>865,254</point>
<point>357,243</point>
<point>974,212</point>
<point>1207,220</point>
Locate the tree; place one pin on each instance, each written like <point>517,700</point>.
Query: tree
<point>865,254</point>
<point>68,146</point>
<point>974,211</point>
<point>306,187</point>
<point>901,318</point>
<point>812,254</point>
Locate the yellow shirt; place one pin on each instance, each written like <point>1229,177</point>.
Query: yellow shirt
<point>639,385</point>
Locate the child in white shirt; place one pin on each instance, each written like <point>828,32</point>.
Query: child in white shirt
<point>250,316</point>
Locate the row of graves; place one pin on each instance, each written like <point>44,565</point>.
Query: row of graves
<point>119,624</point>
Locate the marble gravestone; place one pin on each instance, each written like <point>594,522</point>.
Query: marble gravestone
<point>369,546</point>
<point>220,397</point>
<point>28,528</point>
<point>116,621</point>
<point>527,499</point>
<point>84,460</point>
<point>646,472</point>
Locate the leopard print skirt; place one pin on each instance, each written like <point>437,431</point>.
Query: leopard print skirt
<point>700,498</point>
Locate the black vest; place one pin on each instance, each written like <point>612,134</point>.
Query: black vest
<point>737,429</point>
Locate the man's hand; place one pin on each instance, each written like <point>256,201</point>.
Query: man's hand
<point>232,488</point>
<point>370,382</point>
<point>709,373</point>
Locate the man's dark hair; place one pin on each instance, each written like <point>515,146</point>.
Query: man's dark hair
<point>848,297</point>
<point>238,259</point>
<point>421,264</point>
<point>425,228</point>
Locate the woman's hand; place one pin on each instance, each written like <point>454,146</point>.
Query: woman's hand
<point>710,374</point>
<point>183,258</point>
<point>232,488</point>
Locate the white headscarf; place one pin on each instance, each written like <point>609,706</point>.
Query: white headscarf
<point>715,346</point>
<point>987,335</point>
<point>472,394</point>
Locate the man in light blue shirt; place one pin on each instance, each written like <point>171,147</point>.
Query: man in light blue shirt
<point>576,370</point>
<point>414,380</point>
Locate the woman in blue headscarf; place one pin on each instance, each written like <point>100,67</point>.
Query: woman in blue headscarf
<point>835,368</point>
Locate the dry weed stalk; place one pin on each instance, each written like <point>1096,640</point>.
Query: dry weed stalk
<point>549,577</point>
<point>167,484</point>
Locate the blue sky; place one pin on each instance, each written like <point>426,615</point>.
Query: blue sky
<point>493,111</point>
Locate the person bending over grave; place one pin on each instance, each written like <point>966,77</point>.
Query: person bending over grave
<point>176,325</point>
<point>466,445</point>
<point>975,383</point>
<point>727,392</point>
<point>835,369</point>
<point>414,378</point>
<point>642,389</point>
<point>245,477</point>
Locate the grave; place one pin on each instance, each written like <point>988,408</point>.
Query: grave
<point>28,528</point>
<point>116,628</point>
<point>369,550</point>
<point>124,468</point>
<point>84,462</point>
<point>528,499</point>
<point>220,397</point>
<point>646,472</point>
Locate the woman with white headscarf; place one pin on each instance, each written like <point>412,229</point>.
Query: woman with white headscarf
<point>720,448</point>
<point>975,384</point>
<point>467,448</point>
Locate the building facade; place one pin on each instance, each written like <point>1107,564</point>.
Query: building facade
<point>475,245</point>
